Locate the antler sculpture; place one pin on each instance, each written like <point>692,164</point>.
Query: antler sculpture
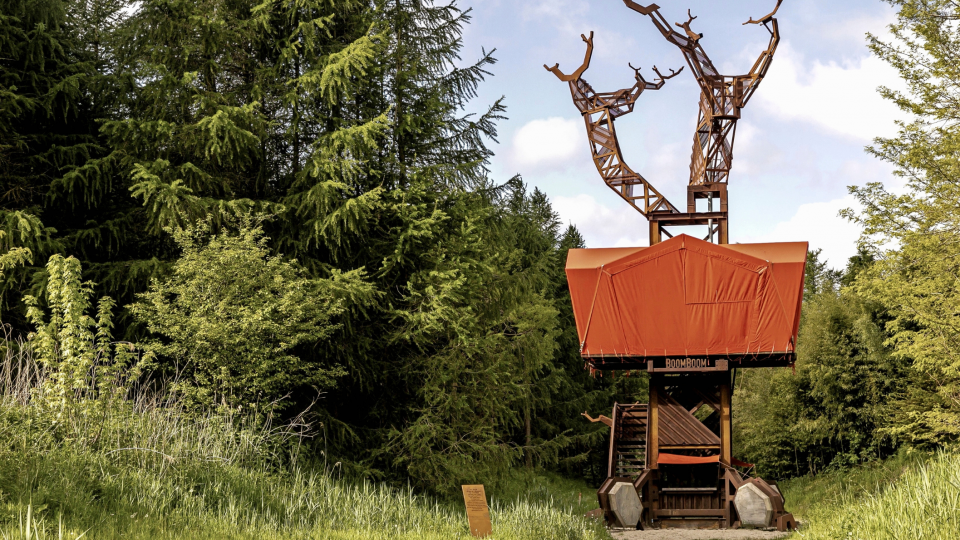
<point>721,97</point>
<point>599,110</point>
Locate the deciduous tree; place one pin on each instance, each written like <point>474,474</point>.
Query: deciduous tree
<point>914,233</point>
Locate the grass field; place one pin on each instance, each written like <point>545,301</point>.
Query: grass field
<point>143,468</point>
<point>179,478</point>
<point>67,496</point>
<point>52,489</point>
<point>64,493</point>
<point>910,496</point>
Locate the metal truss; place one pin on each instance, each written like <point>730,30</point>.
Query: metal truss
<point>599,111</point>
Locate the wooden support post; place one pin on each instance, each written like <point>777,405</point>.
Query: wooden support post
<point>724,232</point>
<point>724,236</point>
<point>725,500</point>
<point>655,236</point>
<point>653,427</point>
<point>726,450</point>
<point>655,496</point>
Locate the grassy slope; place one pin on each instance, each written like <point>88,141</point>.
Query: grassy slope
<point>158,474</point>
<point>546,488</point>
<point>137,494</point>
<point>140,467</point>
<point>91,493</point>
<point>806,493</point>
<point>911,496</point>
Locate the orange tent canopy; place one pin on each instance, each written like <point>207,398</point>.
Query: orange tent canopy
<point>687,297</point>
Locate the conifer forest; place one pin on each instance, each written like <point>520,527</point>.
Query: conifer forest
<point>258,280</point>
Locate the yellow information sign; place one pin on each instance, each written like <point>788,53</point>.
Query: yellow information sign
<point>477,511</point>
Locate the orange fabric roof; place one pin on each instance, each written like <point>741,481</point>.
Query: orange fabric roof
<point>687,297</point>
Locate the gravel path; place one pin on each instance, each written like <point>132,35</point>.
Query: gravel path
<point>703,534</point>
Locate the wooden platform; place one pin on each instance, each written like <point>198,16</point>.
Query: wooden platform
<point>676,450</point>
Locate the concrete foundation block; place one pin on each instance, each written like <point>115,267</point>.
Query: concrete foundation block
<point>625,505</point>
<point>754,506</point>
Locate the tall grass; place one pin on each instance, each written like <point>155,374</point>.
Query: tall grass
<point>806,493</point>
<point>146,468</point>
<point>912,498</point>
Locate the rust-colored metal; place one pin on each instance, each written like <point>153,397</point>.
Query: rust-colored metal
<point>674,424</point>
<point>599,111</point>
<point>681,430</point>
<point>722,97</point>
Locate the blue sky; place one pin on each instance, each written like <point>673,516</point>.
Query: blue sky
<point>799,144</point>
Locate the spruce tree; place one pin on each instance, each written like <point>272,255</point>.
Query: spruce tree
<point>345,125</point>
<point>38,98</point>
<point>61,78</point>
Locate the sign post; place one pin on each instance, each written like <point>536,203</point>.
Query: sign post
<point>478,513</point>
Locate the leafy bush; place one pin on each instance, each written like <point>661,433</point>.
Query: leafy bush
<point>85,371</point>
<point>230,316</point>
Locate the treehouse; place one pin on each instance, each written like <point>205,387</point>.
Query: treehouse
<point>689,313</point>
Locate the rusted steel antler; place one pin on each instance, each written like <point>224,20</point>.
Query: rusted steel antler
<point>752,79</point>
<point>659,80</point>
<point>599,110</point>
<point>721,96</point>
<point>672,73</point>
<point>686,27</point>
<point>583,67</point>
<point>766,18</point>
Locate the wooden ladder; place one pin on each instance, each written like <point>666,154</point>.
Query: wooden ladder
<point>628,441</point>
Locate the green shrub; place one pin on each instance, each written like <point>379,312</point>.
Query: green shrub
<point>85,371</point>
<point>230,316</point>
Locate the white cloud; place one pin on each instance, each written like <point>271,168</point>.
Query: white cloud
<point>849,33</point>
<point>569,19</point>
<point>819,224</point>
<point>601,225</point>
<point>839,97</point>
<point>563,11</point>
<point>549,144</point>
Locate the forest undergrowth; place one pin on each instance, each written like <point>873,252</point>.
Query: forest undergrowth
<point>146,468</point>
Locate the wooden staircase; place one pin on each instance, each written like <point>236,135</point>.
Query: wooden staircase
<point>628,443</point>
<point>683,493</point>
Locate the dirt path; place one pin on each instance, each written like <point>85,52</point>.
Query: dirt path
<point>704,534</point>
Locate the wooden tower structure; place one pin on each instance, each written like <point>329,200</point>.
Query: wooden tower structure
<point>689,312</point>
